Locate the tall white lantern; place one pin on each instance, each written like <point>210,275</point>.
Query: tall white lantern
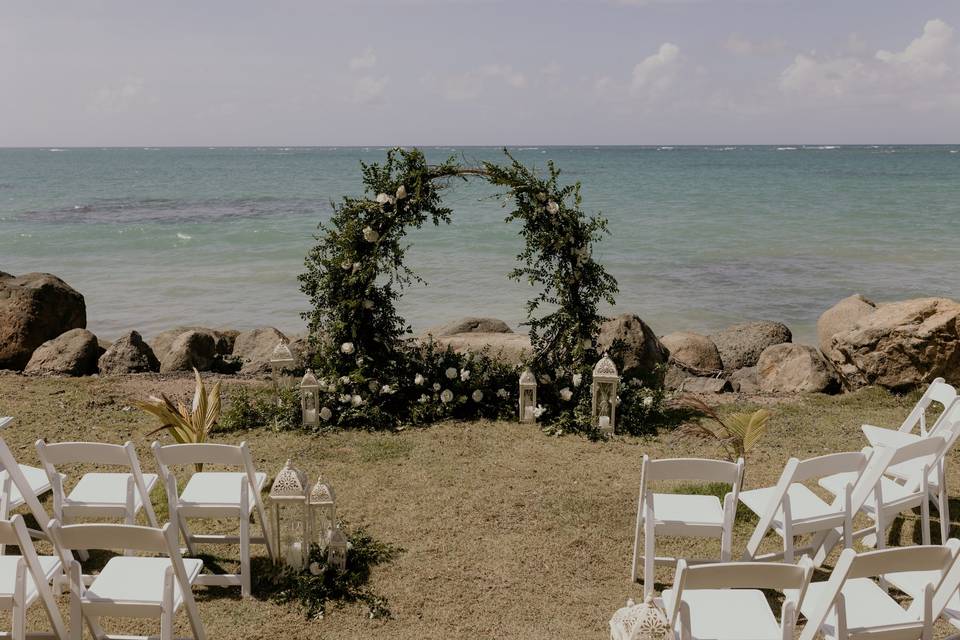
<point>310,399</point>
<point>606,382</point>
<point>337,546</point>
<point>323,512</point>
<point>288,499</point>
<point>528,397</point>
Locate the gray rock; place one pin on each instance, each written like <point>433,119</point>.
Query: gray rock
<point>795,368</point>
<point>73,353</point>
<point>741,344</point>
<point>632,344</point>
<point>255,348</point>
<point>702,384</point>
<point>512,348</point>
<point>128,354</point>
<point>35,308</point>
<point>223,339</point>
<point>745,380</point>
<point>842,317</point>
<point>694,350</point>
<point>191,350</point>
<point>470,325</point>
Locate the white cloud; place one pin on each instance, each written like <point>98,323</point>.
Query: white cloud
<point>653,75</point>
<point>119,98</point>
<point>470,85</point>
<point>369,89</point>
<point>741,46</point>
<point>926,55</point>
<point>366,60</point>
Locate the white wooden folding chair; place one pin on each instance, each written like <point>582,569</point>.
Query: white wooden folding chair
<point>946,581</point>
<point>791,508</point>
<point>676,514</point>
<point>851,604</point>
<point>130,586</point>
<point>725,601</point>
<point>938,392</point>
<point>889,498</point>
<point>20,485</point>
<point>25,579</point>
<point>215,495</point>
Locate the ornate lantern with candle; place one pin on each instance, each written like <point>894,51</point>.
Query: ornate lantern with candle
<point>528,396</point>
<point>323,511</point>
<point>288,498</point>
<point>337,546</point>
<point>281,362</point>
<point>310,399</point>
<point>606,382</point>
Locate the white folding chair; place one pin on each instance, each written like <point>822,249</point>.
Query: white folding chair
<point>725,601</point>
<point>889,498</point>
<point>214,495</point>
<point>675,514</point>
<point>98,494</point>
<point>938,391</point>
<point>20,485</point>
<point>946,581</point>
<point>791,509</point>
<point>852,605</point>
<point>25,579</point>
<point>130,586</point>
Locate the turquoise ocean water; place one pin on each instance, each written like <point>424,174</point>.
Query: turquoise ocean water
<point>700,237</point>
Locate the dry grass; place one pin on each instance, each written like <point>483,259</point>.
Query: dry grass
<point>508,533</point>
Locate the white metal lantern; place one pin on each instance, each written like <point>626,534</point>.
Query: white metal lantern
<point>337,547</point>
<point>310,399</point>
<point>644,621</point>
<point>606,382</point>
<point>323,511</point>
<point>281,361</point>
<point>528,396</point>
<point>288,499</point>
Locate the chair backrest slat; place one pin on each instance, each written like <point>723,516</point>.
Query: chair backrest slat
<point>897,559</point>
<point>692,469</point>
<point>92,452</point>
<point>829,464</point>
<point>204,453</point>
<point>111,536</point>
<point>746,575</point>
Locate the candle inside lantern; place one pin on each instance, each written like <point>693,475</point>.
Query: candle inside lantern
<point>310,415</point>
<point>528,413</point>
<point>295,555</point>
<point>604,422</point>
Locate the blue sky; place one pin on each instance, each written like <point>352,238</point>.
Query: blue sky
<point>485,72</point>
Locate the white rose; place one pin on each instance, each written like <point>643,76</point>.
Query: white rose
<point>648,401</point>
<point>368,304</point>
<point>370,234</point>
<point>356,401</point>
<point>325,414</point>
<point>451,373</point>
<point>503,393</point>
<point>401,192</point>
<point>587,343</point>
<point>539,411</point>
<point>424,399</point>
<point>347,348</point>
<point>419,380</point>
<point>477,395</point>
<point>373,385</point>
<point>577,379</point>
<point>345,398</point>
<point>345,380</point>
<point>436,386</point>
<point>356,267</point>
<point>315,568</point>
<point>386,389</point>
<point>446,396</point>
<point>346,265</point>
<point>553,208</point>
<point>464,375</point>
<point>545,378</point>
<point>566,394</point>
<point>383,198</point>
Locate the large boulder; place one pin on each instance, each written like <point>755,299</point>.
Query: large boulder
<point>73,353</point>
<point>255,348</point>
<point>842,316</point>
<point>633,344</point>
<point>901,345</point>
<point>35,308</point>
<point>693,351</point>
<point>191,350</point>
<point>470,325</point>
<point>740,345</point>
<point>795,368</point>
<point>745,380</point>
<point>168,345</point>
<point>512,348</point>
<point>128,354</point>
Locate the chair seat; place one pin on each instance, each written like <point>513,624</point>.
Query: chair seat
<point>909,470</point>
<point>108,490</point>
<point>881,437</point>
<point>36,478</point>
<point>137,581</point>
<point>913,583</point>
<point>218,489</point>
<point>728,614</point>
<point>50,565</point>
<point>683,509</point>
<point>867,605</point>
<point>804,503</point>
<point>892,491</point>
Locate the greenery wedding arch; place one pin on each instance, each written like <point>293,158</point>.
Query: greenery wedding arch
<point>373,375</point>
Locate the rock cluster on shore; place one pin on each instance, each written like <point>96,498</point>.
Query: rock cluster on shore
<point>897,345</point>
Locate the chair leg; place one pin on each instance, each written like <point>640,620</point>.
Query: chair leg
<point>925,520</point>
<point>649,555</point>
<point>943,506</point>
<point>636,543</point>
<point>187,536</point>
<point>245,556</point>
